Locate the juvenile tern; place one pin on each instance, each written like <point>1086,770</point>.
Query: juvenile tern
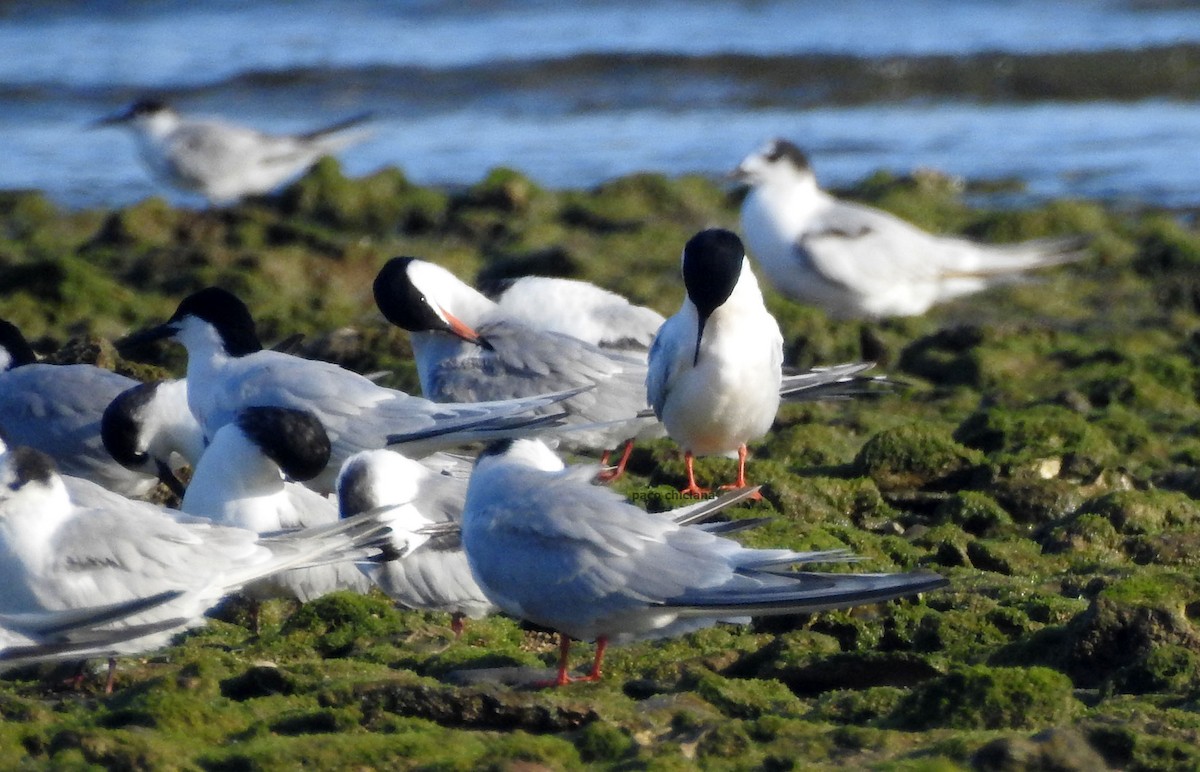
<point>716,366</point>
<point>228,370</point>
<point>468,348</point>
<point>58,409</point>
<point>223,161</point>
<point>550,548</point>
<point>56,555</point>
<point>856,261</point>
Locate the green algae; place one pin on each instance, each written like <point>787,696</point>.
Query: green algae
<point>1042,457</point>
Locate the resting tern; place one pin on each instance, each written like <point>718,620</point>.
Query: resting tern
<point>548,547</point>
<point>58,409</point>
<point>222,161</point>
<point>228,370</point>
<point>431,572</point>
<point>856,261</point>
<point>248,478</point>
<point>468,348</point>
<point>716,366</point>
<point>56,555</point>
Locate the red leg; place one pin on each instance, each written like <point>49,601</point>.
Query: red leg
<point>741,475</point>
<point>609,475</point>
<point>692,488</point>
<point>112,675</point>
<point>601,645</point>
<point>457,624</point>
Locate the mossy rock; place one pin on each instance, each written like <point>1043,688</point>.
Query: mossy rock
<point>382,203</point>
<point>1060,749</point>
<point>916,456</point>
<point>983,697</point>
<point>948,357</point>
<point>1162,669</point>
<point>1139,513</point>
<point>857,706</point>
<point>976,513</point>
<point>1029,438</point>
<point>746,697</point>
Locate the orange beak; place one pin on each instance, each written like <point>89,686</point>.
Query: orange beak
<point>461,329</point>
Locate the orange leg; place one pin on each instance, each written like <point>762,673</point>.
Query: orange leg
<point>741,476</point>
<point>692,488</point>
<point>564,649</point>
<point>610,475</point>
<point>112,676</point>
<point>457,624</point>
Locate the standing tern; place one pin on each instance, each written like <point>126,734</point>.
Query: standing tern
<point>716,366</point>
<point>550,548</point>
<point>222,161</point>
<point>582,310</point>
<point>468,348</point>
<point>249,478</point>
<point>856,261</point>
<point>56,555</point>
<point>228,370</point>
<point>58,410</point>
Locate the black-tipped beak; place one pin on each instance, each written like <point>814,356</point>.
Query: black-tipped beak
<point>116,119</point>
<point>150,335</point>
<point>167,476</point>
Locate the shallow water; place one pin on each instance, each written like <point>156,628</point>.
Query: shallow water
<point>574,94</point>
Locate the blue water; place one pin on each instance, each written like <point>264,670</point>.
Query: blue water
<point>561,91</point>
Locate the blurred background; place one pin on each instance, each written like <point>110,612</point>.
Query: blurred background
<point>1084,98</point>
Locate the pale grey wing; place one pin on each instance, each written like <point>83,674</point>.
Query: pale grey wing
<point>524,362</point>
<point>199,151</point>
<point>107,556</point>
<point>867,250</point>
<point>564,553</point>
<point>667,356</point>
<point>84,644</point>
<point>57,410</point>
<point>307,508</point>
<point>435,577</point>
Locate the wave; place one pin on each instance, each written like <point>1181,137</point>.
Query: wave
<point>628,81</point>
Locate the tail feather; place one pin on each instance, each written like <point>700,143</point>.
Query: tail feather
<point>806,593</point>
<point>339,127</point>
<point>1002,260</point>
<point>46,624</point>
<point>834,382</point>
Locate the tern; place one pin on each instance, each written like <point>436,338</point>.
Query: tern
<point>856,261</point>
<point>228,369</point>
<point>56,555</point>
<point>716,366</point>
<point>249,478</point>
<point>222,161</point>
<point>468,348</point>
<point>431,572</point>
<point>58,410</point>
<point>551,548</point>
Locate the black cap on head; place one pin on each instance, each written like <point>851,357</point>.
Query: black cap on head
<point>147,106</point>
<point>229,315</point>
<point>120,426</point>
<point>712,263</point>
<point>19,351</point>
<point>401,302</point>
<point>294,439</point>
<point>781,149</point>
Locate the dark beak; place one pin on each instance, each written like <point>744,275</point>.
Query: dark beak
<point>146,336</point>
<point>116,119</point>
<point>699,337</point>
